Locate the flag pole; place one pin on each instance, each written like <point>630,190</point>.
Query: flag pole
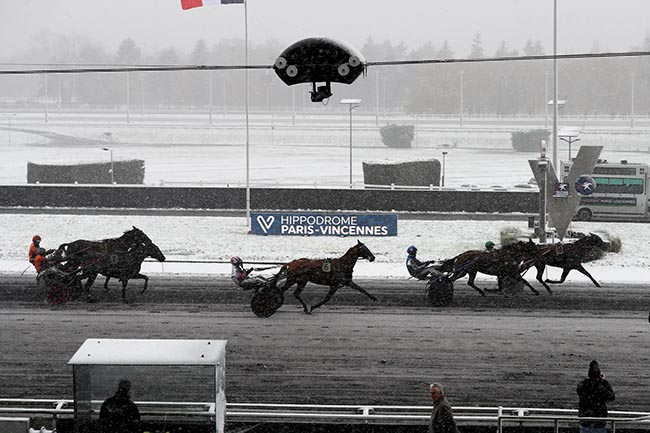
<point>248,186</point>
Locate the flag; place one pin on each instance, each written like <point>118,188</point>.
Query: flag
<point>189,4</point>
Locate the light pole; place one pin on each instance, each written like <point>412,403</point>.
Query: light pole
<point>444,154</point>
<point>111,170</point>
<point>461,99</point>
<point>9,116</point>
<point>352,104</point>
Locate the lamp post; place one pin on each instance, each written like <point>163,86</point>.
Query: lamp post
<point>461,99</point>
<point>9,116</point>
<point>444,154</point>
<point>352,104</point>
<point>111,170</point>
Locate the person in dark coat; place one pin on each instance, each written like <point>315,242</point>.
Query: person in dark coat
<point>593,394</point>
<point>442,417</point>
<point>119,414</point>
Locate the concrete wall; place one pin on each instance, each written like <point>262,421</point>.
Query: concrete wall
<point>144,197</point>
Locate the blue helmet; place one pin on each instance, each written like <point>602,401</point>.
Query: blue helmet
<point>412,250</point>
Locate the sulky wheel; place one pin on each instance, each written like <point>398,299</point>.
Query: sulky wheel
<point>440,291</point>
<point>58,292</point>
<point>266,302</point>
<point>510,285</point>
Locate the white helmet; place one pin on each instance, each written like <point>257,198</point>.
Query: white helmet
<point>236,260</point>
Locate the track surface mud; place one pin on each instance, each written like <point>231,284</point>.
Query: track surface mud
<point>524,351</point>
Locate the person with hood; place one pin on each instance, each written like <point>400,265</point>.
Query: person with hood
<point>442,417</point>
<point>593,394</point>
<point>119,414</point>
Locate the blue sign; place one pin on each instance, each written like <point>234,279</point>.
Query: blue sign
<point>311,224</point>
<point>585,185</point>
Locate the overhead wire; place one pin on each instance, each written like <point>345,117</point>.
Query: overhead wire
<point>103,68</point>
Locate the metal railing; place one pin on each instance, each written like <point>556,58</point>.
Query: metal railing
<point>499,417</point>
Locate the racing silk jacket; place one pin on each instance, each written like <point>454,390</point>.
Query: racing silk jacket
<point>442,417</point>
<point>414,266</point>
<point>593,395</point>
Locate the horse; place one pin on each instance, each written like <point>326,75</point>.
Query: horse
<point>568,257</point>
<point>505,262</point>
<point>334,273</point>
<point>119,258</point>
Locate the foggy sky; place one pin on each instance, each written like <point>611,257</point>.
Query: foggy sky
<point>157,24</point>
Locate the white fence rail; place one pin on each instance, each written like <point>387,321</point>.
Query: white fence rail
<point>499,417</point>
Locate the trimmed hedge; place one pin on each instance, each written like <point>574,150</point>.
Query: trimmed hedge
<point>126,172</point>
<point>411,173</point>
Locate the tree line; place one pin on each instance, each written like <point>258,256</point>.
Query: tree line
<point>603,86</point>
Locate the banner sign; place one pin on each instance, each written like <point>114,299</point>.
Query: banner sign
<point>312,224</point>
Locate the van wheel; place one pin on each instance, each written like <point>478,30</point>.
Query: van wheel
<point>584,214</point>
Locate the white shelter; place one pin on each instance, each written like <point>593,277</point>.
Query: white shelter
<point>162,372</point>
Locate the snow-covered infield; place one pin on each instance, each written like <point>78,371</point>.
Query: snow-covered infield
<point>215,239</point>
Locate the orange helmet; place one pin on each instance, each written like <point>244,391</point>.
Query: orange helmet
<point>36,238</point>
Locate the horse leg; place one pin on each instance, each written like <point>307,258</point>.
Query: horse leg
<point>296,294</point>
<point>327,297</point>
<point>124,283</point>
<point>527,284</point>
<point>583,271</point>
<point>565,272</point>
<point>89,283</point>
<point>539,277</point>
<point>358,288</point>
<point>470,282</point>
<point>106,283</point>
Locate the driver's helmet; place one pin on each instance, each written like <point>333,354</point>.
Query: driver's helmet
<point>236,260</point>
<point>36,238</point>
<point>489,244</point>
<point>412,250</point>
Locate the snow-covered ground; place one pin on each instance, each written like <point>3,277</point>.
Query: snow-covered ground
<point>291,157</point>
<point>216,239</point>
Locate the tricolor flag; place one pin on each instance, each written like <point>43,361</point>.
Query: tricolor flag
<point>189,4</point>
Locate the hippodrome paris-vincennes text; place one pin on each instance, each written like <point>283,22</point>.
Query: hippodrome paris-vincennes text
<point>341,225</point>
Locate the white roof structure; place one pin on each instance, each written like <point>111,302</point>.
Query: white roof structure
<point>569,131</point>
<point>110,351</point>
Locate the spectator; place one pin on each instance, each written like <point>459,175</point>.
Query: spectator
<point>593,394</point>
<point>119,414</point>
<point>442,417</point>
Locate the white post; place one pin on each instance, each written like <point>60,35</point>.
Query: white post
<point>555,85</point>
<point>377,96</point>
<point>632,104</point>
<point>210,97</point>
<point>546,100</point>
<point>46,113</point>
<point>461,98</point>
<point>350,145</point>
<point>248,186</point>
<point>444,154</point>
<point>128,97</point>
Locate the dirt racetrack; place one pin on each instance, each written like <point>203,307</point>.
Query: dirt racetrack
<point>526,351</point>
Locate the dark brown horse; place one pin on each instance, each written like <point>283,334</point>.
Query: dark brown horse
<point>334,273</point>
<point>504,263</point>
<point>119,258</point>
<point>568,257</point>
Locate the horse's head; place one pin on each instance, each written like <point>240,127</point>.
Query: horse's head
<point>363,252</point>
<point>139,240</point>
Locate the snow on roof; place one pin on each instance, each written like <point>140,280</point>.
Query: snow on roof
<point>111,351</point>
